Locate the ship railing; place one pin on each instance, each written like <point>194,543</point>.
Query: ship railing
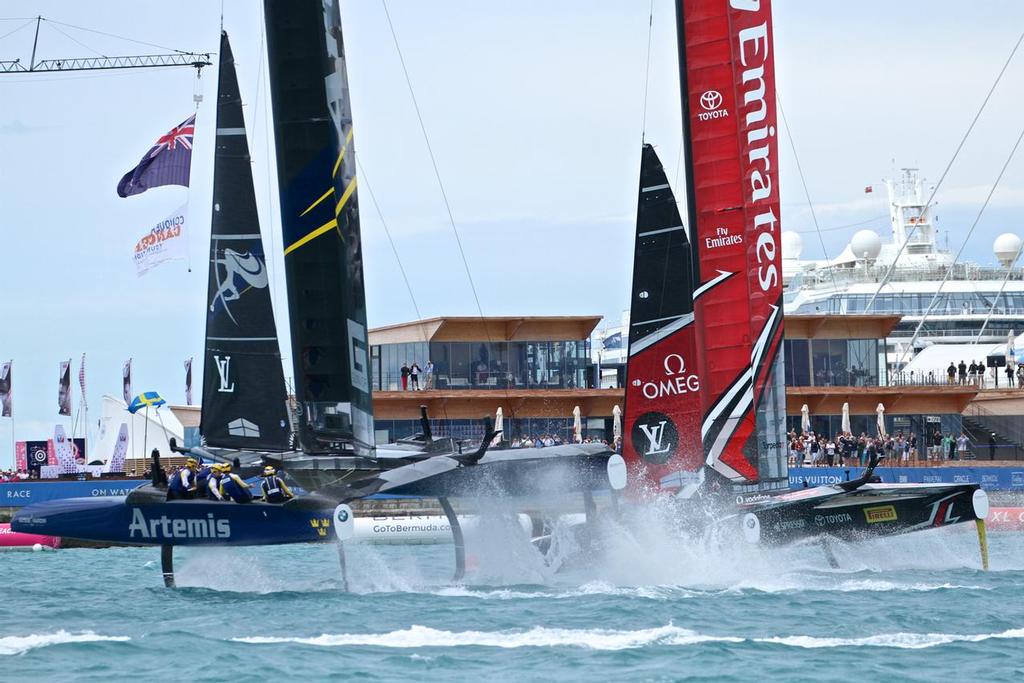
<point>830,276</point>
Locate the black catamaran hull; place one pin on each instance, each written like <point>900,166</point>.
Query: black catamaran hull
<point>870,511</point>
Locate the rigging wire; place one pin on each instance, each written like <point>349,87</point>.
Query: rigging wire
<point>949,270</point>
<point>844,226</point>
<point>807,192</point>
<point>365,182</point>
<point>440,184</point>
<point>647,73</point>
<point>77,41</point>
<point>956,153</point>
<point>114,35</point>
<point>27,23</point>
<point>433,159</point>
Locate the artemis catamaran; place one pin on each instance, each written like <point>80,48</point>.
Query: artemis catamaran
<point>705,409</point>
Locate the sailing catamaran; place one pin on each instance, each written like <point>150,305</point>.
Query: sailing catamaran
<point>245,413</point>
<point>710,347</point>
<point>705,409</point>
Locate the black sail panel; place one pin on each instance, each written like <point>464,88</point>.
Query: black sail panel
<point>662,265</point>
<point>661,440</point>
<point>320,223</point>
<point>244,400</point>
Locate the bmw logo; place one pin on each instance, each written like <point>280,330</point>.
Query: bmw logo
<point>343,516</point>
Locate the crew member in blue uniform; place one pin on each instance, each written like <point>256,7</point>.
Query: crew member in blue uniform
<point>203,478</point>
<point>273,487</point>
<point>182,485</point>
<point>233,486</point>
<point>213,488</point>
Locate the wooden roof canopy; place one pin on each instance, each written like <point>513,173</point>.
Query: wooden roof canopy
<point>492,328</point>
<point>854,326</point>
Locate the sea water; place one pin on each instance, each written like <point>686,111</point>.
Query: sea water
<point>912,608</point>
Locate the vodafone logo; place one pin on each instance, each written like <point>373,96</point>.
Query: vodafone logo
<point>711,102</point>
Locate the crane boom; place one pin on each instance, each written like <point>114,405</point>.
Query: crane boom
<point>198,60</point>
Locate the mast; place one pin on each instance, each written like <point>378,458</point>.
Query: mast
<point>320,222</point>
<point>244,403</point>
<point>728,102</point>
<point>662,418</point>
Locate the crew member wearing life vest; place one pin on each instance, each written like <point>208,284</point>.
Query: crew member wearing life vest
<point>213,489</point>
<point>273,487</point>
<point>182,485</point>
<point>233,486</point>
<point>203,479</point>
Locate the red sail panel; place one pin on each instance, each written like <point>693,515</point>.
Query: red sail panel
<point>661,443</point>
<point>729,105</point>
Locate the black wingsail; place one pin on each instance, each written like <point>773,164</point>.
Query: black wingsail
<point>244,401</point>
<point>320,223</point>
<point>662,418</point>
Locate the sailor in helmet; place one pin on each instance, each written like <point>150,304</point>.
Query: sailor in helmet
<point>182,485</point>
<point>233,486</point>
<point>213,484</point>
<point>273,487</point>
<point>203,477</point>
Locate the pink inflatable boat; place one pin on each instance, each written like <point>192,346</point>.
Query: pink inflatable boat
<point>12,540</point>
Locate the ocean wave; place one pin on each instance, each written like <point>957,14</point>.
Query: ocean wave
<point>904,641</point>
<point>593,588</point>
<point>15,645</point>
<point>604,639</point>
<point>424,636</point>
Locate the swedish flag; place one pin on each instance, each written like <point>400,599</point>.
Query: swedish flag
<point>149,399</point>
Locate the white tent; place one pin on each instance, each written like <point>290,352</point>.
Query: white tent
<point>163,425</point>
<point>805,418</point>
<point>617,423</point>
<point>577,425</point>
<point>880,412</point>
<point>846,418</point>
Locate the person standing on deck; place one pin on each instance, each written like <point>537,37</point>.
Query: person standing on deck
<point>405,375</point>
<point>951,373</point>
<point>962,368</point>
<point>992,446</point>
<point>414,375</point>
<point>429,374</point>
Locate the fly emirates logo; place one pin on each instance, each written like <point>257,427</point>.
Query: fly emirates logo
<point>162,527</point>
<point>753,49</point>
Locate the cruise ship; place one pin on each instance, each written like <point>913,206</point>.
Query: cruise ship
<point>975,304</point>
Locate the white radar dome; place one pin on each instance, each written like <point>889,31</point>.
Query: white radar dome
<point>792,244</point>
<point>866,244</point>
<point>1006,247</point>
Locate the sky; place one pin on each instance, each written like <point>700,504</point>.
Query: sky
<point>535,112</point>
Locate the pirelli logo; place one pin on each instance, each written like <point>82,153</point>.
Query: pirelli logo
<point>882,513</point>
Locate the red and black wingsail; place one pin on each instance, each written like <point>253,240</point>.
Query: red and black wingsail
<point>728,99</point>
<point>662,418</point>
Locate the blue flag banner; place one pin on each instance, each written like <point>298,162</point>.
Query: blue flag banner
<point>168,162</point>
<point>149,399</point>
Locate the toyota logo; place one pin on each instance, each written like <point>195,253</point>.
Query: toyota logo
<point>711,100</point>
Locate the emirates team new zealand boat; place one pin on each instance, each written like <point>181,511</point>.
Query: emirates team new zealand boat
<point>706,332</point>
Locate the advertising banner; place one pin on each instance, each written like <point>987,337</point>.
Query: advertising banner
<point>990,478</point>
<point>163,242</point>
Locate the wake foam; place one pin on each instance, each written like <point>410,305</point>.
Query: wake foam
<point>602,639</point>
<point>903,641</point>
<point>16,645</point>
<point>424,636</point>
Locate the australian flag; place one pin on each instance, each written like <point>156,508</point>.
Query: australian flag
<point>167,163</point>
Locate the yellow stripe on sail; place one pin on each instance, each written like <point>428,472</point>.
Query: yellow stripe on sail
<point>341,154</point>
<point>326,227</point>
<point>345,197</point>
<point>324,196</point>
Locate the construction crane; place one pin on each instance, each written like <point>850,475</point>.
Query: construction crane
<point>175,58</point>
